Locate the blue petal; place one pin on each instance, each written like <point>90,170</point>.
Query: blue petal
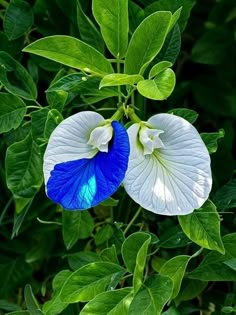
<point>84,183</point>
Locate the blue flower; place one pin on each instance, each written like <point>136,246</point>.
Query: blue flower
<point>85,161</point>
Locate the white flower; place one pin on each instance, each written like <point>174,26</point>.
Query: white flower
<point>169,166</point>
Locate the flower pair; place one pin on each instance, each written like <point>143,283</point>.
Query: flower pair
<point>163,163</point>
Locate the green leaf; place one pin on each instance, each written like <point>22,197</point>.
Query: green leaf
<point>71,52</point>
<point>57,99</point>
<point>54,118</point>
<point>140,265</point>
<point>203,227</point>
<point>188,114</point>
<point>31,302</point>
<point>18,19</point>
<point>15,78</point>
<point>12,112</point>
<point>160,87</point>
<point>109,254</point>
<point>152,296</point>
<point>175,270</point>
<point>171,47</point>
<point>136,16</point>
<point>103,234</point>
<point>24,168</point>
<point>213,47</point>
<point>71,82</point>
<point>76,225</point>
<point>225,197</point>
<point>13,273</point>
<point>80,259</point>
<point>38,118</point>
<point>9,306</point>
<point>145,44</point>
<point>158,68</point>
<point>173,5</point>
<point>211,140</point>
<point>90,280</point>
<point>88,32</point>
<point>55,305</point>
<point>213,267</point>
<point>190,289</point>
<point>131,248</point>
<point>231,263</point>
<point>19,313</point>
<point>114,24</point>
<point>117,79</point>
<point>111,302</point>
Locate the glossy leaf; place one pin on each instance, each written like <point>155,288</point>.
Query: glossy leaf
<point>12,112</point>
<point>211,139</point>
<point>173,5</point>
<point>38,120</point>
<point>131,247</point>
<point>188,114</point>
<point>117,79</point>
<point>15,78</point>
<point>109,254</point>
<point>152,296</point>
<point>87,282</point>
<point>71,52</point>
<point>24,168</point>
<point>103,234</point>
<point>76,225</point>
<point>111,302</point>
<point>160,87</point>
<point>114,24</point>
<point>14,27</point>
<point>158,68</point>
<point>54,118</point>
<point>203,227</point>
<point>213,267</point>
<point>88,31</point>
<point>142,49</point>
<point>80,259</point>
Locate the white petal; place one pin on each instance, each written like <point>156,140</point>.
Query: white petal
<point>175,179</point>
<point>69,141</point>
<point>100,137</point>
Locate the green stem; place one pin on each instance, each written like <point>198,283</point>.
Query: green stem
<point>132,220</point>
<point>116,60</point>
<point>130,112</point>
<point>119,89</point>
<point>118,114</point>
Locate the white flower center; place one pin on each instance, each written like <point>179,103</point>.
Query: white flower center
<point>150,139</point>
<point>100,137</point>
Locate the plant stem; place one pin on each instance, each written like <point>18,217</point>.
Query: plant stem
<point>132,220</point>
<point>119,90</point>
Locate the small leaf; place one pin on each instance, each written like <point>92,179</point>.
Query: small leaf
<point>152,296</point>
<point>109,254</point>
<point>15,78</point>
<point>190,289</point>
<point>175,270</point>
<point>117,79</point>
<point>103,234</point>
<point>213,267</point>
<point>188,114</point>
<point>80,259</point>
<point>24,168</point>
<point>14,27</point>
<point>71,52</point>
<point>158,68</point>
<point>12,112</point>
<point>211,139</point>
<point>87,282</point>
<point>76,225</point>
<point>114,24</point>
<point>145,44</point>
<point>31,302</point>
<point>111,302</point>
<point>38,120</point>
<point>160,87</point>
<point>131,248</point>
<point>203,227</point>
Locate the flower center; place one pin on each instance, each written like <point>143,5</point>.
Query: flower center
<point>100,137</point>
<point>150,139</point>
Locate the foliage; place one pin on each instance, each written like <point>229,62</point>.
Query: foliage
<point>115,258</point>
